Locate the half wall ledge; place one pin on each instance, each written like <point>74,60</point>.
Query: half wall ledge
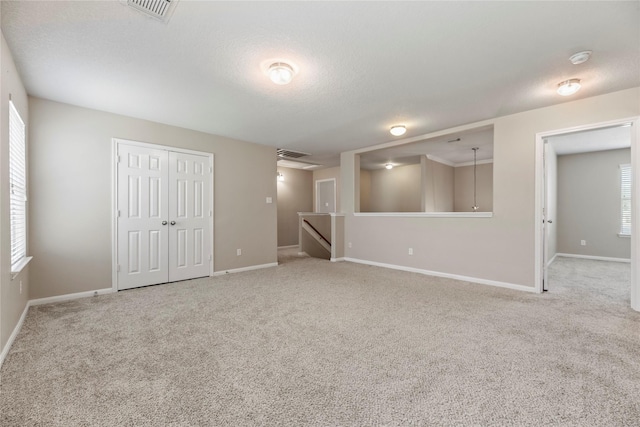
<point>429,214</point>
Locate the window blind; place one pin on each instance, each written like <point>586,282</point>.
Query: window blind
<point>17,186</point>
<point>625,199</point>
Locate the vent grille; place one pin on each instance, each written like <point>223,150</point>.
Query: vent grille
<point>298,164</point>
<point>159,9</point>
<point>281,152</point>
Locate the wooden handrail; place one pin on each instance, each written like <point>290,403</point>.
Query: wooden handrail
<point>319,233</point>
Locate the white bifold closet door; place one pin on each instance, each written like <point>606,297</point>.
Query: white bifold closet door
<point>164,216</point>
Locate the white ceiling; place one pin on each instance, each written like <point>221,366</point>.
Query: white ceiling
<point>364,66</point>
<point>610,138</point>
<point>445,149</point>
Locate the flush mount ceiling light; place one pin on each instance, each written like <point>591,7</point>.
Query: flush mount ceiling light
<point>398,130</point>
<point>569,87</point>
<point>388,166</point>
<point>580,57</point>
<point>281,73</point>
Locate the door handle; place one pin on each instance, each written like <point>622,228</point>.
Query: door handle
<point>550,222</point>
<point>172,223</point>
<point>164,222</point>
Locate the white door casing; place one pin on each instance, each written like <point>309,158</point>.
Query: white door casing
<point>164,215</point>
<point>540,231</point>
<point>326,195</point>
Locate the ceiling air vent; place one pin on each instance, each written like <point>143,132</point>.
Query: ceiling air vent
<point>290,154</point>
<point>159,9</point>
<point>292,159</point>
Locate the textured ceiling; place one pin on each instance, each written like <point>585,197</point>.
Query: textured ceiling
<point>363,65</point>
<point>454,149</point>
<point>609,138</point>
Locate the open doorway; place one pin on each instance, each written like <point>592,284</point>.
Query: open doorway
<point>581,222</point>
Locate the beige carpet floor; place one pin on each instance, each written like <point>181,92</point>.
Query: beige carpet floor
<point>314,343</point>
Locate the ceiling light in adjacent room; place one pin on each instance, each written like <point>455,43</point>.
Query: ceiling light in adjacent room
<point>280,176</point>
<point>388,166</point>
<point>398,130</point>
<point>569,87</point>
<point>281,73</point>
<point>580,57</point>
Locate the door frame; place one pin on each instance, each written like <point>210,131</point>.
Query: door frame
<point>115,142</point>
<point>635,207</point>
<point>335,207</point>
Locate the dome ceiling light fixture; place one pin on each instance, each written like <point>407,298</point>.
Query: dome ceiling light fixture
<point>569,87</point>
<point>398,130</point>
<point>580,57</point>
<point>281,73</point>
<point>388,166</point>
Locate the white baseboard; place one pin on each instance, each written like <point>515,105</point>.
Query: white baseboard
<point>288,247</point>
<point>48,300</point>
<point>597,258</point>
<point>240,270</point>
<point>446,275</point>
<point>338,259</point>
<point>69,297</point>
<point>552,259</point>
<point>13,335</point>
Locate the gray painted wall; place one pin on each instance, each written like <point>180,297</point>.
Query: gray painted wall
<point>295,194</point>
<point>365,190</point>
<point>437,186</point>
<point>500,248</point>
<point>12,301</point>
<point>463,188</point>
<point>71,209</point>
<point>396,190</point>
<point>428,187</point>
<point>589,204</point>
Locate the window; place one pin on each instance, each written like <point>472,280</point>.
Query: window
<point>625,200</point>
<point>18,190</point>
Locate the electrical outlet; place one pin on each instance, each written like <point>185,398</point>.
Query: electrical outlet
<point>583,243</point>
<point>350,245</point>
<point>269,200</point>
<point>238,252</point>
<point>410,251</point>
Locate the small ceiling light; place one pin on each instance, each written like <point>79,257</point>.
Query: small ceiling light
<point>580,57</point>
<point>281,73</point>
<point>280,176</point>
<point>569,87</point>
<point>388,166</point>
<point>398,130</point>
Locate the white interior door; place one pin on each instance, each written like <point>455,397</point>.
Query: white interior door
<point>164,224</point>
<point>189,213</point>
<point>326,195</point>
<point>143,236</point>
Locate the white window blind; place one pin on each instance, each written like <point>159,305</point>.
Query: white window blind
<point>625,199</point>
<point>18,187</point>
